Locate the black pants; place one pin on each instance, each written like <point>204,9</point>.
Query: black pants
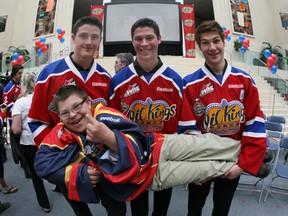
<point>42,198</point>
<point>140,205</point>
<point>223,193</point>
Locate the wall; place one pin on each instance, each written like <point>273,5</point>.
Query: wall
<point>21,24</point>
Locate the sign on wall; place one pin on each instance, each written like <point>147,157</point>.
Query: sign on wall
<point>45,18</point>
<point>3,20</point>
<point>241,17</point>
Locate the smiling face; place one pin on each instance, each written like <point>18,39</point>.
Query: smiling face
<point>72,112</point>
<point>146,42</point>
<point>86,41</point>
<point>212,47</point>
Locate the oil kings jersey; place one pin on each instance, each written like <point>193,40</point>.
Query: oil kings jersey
<point>154,105</point>
<point>51,78</point>
<point>229,108</point>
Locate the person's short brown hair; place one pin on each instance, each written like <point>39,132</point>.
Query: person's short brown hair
<point>208,26</point>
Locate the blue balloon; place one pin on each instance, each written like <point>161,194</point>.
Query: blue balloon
<point>39,52</point>
<point>43,39</point>
<point>241,38</point>
<point>223,28</point>
<point>228,38</point>
<point>244,1</point>
<point>15,56</point>
<point>62,40</point>
<point>273,69</point>
<point>267,53</point>
<point>59,30</point>
<point>243,49</point>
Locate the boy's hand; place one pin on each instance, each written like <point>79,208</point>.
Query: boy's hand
<point>94,175</point>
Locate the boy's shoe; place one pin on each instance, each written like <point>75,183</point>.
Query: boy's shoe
<point>264,170</point>
<point>268,157</point>
<point>4,206</point>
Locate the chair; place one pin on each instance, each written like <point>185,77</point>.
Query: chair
<point>281,171</point>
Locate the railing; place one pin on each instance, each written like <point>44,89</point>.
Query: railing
<point>273,86</point>
<point>36,62</point>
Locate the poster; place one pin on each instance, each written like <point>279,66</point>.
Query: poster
<point>241,17</point>
<point>45,18</point>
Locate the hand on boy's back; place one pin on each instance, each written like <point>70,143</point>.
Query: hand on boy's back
<point>94,175</point>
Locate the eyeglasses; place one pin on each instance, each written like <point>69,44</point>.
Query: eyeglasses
<point>75,109</point>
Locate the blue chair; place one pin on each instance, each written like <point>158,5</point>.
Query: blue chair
<point>281,171</point>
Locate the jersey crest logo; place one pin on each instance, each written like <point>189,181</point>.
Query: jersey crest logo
<point>132,89</point>
<point>198,108</point>
<point>150,115</point>
<point>206,89</point>
<point>223,118</point>
<point>69,82</point>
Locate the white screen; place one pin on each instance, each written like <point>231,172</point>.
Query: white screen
<point>120,18</point>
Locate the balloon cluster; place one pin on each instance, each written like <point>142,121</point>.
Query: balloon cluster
<point>17,59</point>
<point>270,60</point>
<point>41,46</point>
<point>60,35</point>
<point>226,33</point>
<point>245,43</point>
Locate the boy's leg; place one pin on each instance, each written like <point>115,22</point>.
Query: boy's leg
<point>140,205</point>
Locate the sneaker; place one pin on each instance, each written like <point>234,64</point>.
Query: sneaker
<point>4,206</point>
<point>264,170</point>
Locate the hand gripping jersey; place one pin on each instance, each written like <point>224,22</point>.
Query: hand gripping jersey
<point>154,105</point>
<point>63,157</point>
<point>229,109</point>
<point>42,117</point>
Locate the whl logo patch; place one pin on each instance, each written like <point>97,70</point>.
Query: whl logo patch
<point>132,89</point>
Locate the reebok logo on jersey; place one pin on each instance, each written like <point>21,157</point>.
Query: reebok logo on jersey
<point>235,86</point>
<point>206,89</point>
<point>95,84</point>
<point>164,89</point>
<point>132,89</point>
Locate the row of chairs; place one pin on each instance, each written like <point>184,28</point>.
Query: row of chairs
<point>277,143</point>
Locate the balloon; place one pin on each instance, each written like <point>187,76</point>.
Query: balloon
<point>269,64</point>
<point>59,30</point>
<point>62,32</point>
<point>244,1</point>
<point>228,38</point>
<point>37,43</point>
<point>44,49</point>
<point>43,40</point>
<point>39,52</point>
<point>267,53</point>
<point>62,40</point>
<point>13,62</point>
<point>243,49</point>
<point>20,59</point>
<point>241,38</point>
<point>41,45</point>
<point>274,57</point>
<point>15,56</point>
<point>270,60</point>
<point>60,36</point>
<point>227,31</point>
<point>223,28</point>
<point>273,69</point>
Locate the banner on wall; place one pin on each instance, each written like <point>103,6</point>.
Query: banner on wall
<point>97,11</point>
<point>188,20</point>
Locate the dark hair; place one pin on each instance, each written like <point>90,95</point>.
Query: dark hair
<point>64,92</point>
<point>90,20</point>
<point>208,26</point>
<point>145,22</point>
<point>126,58</point>
<point>15,69</point>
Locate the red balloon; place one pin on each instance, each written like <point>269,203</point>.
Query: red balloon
<point>37,43</point>
<point>60,36</point>
<point>274,57</point>
<point>44,49</point>
<point>270,61</point>
<point>20,59</point>
<point>14,62</point>
<point>62,32</point>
